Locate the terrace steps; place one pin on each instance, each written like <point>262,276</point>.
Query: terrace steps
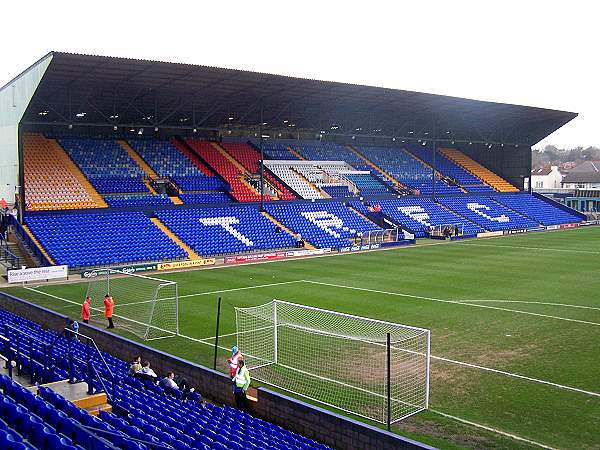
<point>313,186</point>
<point>230,158</point>
<point>150,173</point>
<point>182,147</point>
<point>59,153</point>
<point>296,154</point>
<point>176,200</point>
<point>375,167</point>
<point>34,239</point>
<point>191,253</point>
<point>481,172</point>
<point>307,244</point>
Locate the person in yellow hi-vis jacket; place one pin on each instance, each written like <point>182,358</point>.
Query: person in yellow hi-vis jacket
<point>241,383</point>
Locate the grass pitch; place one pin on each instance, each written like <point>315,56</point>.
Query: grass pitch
<point>515,327</point>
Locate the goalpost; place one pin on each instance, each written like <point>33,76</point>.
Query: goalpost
<point>147,307</point>
<point>371,368</point>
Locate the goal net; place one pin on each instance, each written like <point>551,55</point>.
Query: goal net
<point>337,359</point>
<point>144,306</point>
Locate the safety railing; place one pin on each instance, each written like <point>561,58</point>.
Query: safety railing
<point>29,243</point>
<point>13,350</point>
<point>7,255</point>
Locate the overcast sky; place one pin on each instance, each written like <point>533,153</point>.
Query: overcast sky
<point>525,52</point>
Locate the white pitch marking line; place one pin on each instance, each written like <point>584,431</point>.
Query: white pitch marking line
<point>455,302</point>
<point>241,288</point>
<point>516,375</point>
<point>530,303</point>
<point>203,341</point>
<point>213,292</point>
<point>493,430</point>
<point>547,249</point>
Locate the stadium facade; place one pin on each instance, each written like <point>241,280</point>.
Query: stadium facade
<point>70,94</point>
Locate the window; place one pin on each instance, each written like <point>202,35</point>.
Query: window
<point>539,184</point>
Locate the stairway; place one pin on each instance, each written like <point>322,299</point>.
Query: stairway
<point>25,258</point>
<point>77,394</point>
<point>307,245</point>
<point>296,154</point>
<point>176,200</point>
<point>150,173</point>
<point>375,167</point>
<point>60,159</point>
<point>40,247</point>
<point>191,253</point>
<point>312,185</point>
<point>481,172</point>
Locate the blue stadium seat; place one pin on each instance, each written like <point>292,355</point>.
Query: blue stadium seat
<point>409,171</point>
<point>536,208</point>
<point>199,198</point>
<point>167,161</point>
<point>106,164</point>
<point>128,200</point>
<point>81,240</point>
<point>214,231</point>
<point>418,214</point>
<point>488,213</point>
<point>323,224</point>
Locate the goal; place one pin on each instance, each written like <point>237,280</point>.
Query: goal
<point>370,368</point>
<point>145,306</point>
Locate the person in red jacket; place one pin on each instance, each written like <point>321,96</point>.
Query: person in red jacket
<point>109,305</point>
<point>85,310</point>
<point>234,360</point>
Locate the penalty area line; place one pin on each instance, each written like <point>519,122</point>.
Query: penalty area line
<point>493,430</point>
<point>529,302</point>
<point>544,249</point>
<point>454,302</point>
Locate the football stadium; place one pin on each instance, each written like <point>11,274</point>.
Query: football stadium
<point>374,260</point>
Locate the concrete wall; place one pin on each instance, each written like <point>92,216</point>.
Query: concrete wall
<point>321,425</point>
<point>14,100</point>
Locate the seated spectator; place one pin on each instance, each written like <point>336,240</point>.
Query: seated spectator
<point>169,381</point>
<point>177,386</point>
<point>146,373</point>
<point>135,366</point>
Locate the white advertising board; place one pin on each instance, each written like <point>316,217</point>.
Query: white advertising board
<point>37,274</point>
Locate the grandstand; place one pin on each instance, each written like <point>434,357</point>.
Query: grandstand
<point>238,174</point>
<point>41,418</point>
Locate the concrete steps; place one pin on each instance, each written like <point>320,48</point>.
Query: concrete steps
<point>296,154</point>
<point>55,149</point>
<point>34,239</point>
<point>138,159</point>
<point>481,172</point>
<point>307,244</point>
<point>77,394</point>
<point>375,167</point>
<point>191,253</point>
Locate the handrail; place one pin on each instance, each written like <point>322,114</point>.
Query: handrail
<point>149,444</point>
<point>112,376</point>
<point>49,355</point>
<point>26,239</point>
<point>31,338</point>
<point>9,256</point>
<point>90,387</point>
